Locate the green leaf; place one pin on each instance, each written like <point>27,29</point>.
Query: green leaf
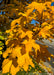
<point>1,37</point>
<point>1,44</point>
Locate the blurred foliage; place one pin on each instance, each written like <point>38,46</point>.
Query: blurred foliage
<point>1,43</point>
<point>2,48</point>
<point>9,12</point>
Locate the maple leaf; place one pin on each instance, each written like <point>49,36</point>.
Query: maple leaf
<point>39,6</point>
<point>14,69</point>
<point>6,63</point>
<point>16,52</point>
<point>44,32</point>
<point>25,58</point>
<point>31,44</point>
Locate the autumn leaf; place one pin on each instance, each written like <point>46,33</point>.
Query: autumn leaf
<point>6,63</point>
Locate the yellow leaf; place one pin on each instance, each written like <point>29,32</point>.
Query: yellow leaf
<point>39,6</point>
<point>22,14</point>
<point>29,34</point>
<point>34,29</point>
<point>7,65</point>
<point>14,70</point>
<point>0,52</point>
<point>17,9</point>
<point>16,52</point>
<point>1,48</point>
<point>49,58</point>
<point>52,55</point>
<point>24,22</point>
